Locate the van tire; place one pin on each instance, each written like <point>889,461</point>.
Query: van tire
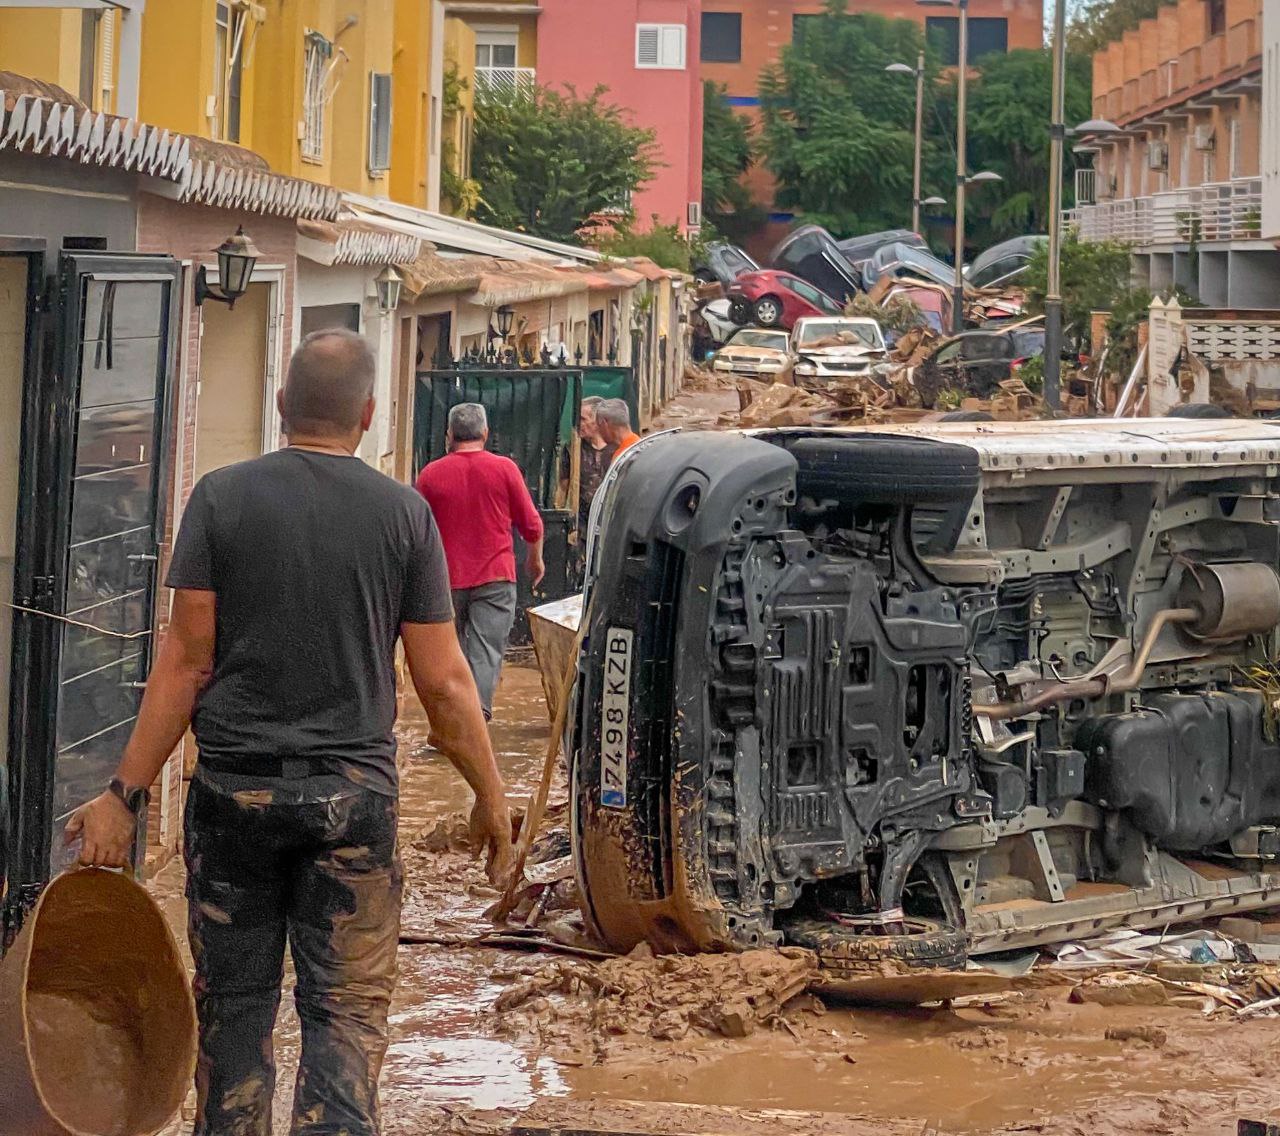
<point>927,943</point>
<point>885,469</point>
<point>1199,410</point>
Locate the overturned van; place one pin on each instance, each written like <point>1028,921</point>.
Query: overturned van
<point>930,691</point>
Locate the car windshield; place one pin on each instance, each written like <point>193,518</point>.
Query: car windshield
<point>754,337</point>
<point>813,332</point>
<point>899,259</point>
<point>737,262</point>
<point>1028,342</point>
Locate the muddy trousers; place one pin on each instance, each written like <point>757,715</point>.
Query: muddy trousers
<point>311,862</point>
<point>484,617</point>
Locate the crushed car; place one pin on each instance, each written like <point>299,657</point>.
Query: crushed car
<point>753,352</point>
<point>917,693</point>
<point>976,362</point>
<point>776,299</point>
<point>825,349</point>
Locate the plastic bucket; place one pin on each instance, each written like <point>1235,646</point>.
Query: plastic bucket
<point>97,1024</point>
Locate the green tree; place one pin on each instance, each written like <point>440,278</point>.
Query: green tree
<point>1095,277</point>
<point>726,155</point>
<point>547,163</point>
<point>837,131</point>
<point>1009,113</point>
<point>665,245</point>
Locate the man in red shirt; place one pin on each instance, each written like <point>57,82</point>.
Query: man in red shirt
<point>477,498</point>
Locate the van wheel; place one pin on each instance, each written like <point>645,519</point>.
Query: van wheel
<point>1199,410</point>
<point>923,943</point>
<point>885,469</point>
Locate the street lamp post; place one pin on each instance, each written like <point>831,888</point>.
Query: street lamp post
<point>1053,290</point>
<point>918,71</point>
<point>962,163</point>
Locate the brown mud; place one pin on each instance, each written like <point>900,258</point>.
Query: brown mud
<point>480,1036</point>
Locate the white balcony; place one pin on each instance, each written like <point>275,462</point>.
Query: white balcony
<point>1218,212</point>
<point>504,84</point>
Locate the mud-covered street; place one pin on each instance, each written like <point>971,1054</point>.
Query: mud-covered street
<point>637,1054</point>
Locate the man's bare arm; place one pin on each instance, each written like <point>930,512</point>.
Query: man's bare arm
<point>448,693</point>
<point>181,672</point>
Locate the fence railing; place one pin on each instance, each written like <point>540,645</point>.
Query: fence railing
<point>1220,211</point>
<point>504,84</point>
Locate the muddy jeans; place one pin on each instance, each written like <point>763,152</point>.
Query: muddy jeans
<point>484,617</point>
<point>312,862</point>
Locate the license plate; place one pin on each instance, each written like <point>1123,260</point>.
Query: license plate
<point>615,717</point>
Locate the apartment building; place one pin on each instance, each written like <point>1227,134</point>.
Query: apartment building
<point>1180,178</point>
<point>646,52</point>
<point>740,38</point>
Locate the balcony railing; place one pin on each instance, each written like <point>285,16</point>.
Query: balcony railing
<point>504,84</point>
<point>1221,211</point>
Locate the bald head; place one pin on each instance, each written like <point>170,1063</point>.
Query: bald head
<point>328,392</point>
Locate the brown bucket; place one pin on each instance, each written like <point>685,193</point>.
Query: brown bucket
<point>97,1025</point>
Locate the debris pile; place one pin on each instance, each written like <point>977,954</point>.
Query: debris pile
<point>666,998</point>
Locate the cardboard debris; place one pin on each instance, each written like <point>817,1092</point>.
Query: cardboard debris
<point>778,405</point>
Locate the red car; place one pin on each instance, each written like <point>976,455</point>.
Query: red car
<point>776,299</point>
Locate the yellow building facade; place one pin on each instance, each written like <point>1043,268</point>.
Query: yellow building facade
<point>334,92</point>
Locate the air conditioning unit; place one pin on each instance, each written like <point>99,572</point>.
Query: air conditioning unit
<point>1202,139</point>
<point>695,214</point>
<point>1157,155</point>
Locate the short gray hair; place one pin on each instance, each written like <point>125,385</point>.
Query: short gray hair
<point>615,412</point>
<point>330,379</point>
<point>592,402</point>
<point>468,422</point>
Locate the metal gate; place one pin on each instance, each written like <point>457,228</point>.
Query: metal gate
<point>90,521</point>
<point>532,412</point>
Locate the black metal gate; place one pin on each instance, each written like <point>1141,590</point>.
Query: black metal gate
<point>532,410</point>
<point>90,520</point>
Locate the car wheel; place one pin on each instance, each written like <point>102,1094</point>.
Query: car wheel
<point>966,416</point>
<point>885,469</point>
<point>740,312</point>
<point>923,943</point>
<point>768,311</point>
<point>1199,410</point>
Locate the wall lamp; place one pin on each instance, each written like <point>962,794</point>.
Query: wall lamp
<point>503,318</point>
<point>388,283</point>
<point>236,257</point>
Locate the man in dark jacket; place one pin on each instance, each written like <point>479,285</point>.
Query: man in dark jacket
<point>294,576</point>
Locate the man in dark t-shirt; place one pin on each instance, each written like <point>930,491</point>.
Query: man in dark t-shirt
<point>294,576</point>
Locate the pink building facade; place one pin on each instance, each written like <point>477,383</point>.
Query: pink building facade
<point>646,52</point>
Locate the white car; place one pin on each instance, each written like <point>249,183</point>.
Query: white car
<point>835,347</point>
<point>753,352</point>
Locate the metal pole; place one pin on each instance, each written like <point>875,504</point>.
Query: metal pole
<point>1053,292</point>
<point>915,184</point>
<point>962,170</point>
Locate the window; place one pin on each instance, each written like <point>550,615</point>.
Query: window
<point>1215,17</point>
<point>988,35</point>
<point>379,123</point>
<point>721,37</point>
<point>314,101</point>
<point>660,47</point>
<point>496,50</point>
<point>97,59</point>
<point>228,42</point>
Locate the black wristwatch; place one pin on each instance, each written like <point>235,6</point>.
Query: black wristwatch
<point>135,799</point>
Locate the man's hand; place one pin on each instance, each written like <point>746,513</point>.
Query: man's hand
<point>491,834</point>
<point>106,828</point>
<point>537,569</point>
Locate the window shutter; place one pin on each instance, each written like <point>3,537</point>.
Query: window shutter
<point>648,46</point>
<point>673,47</point>
<point>108,48</point>
<point>379,123</point>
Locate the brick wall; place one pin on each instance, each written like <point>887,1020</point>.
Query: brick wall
<point>191,233</point>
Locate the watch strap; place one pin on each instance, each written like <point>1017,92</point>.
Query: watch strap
<point>135,798</point>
